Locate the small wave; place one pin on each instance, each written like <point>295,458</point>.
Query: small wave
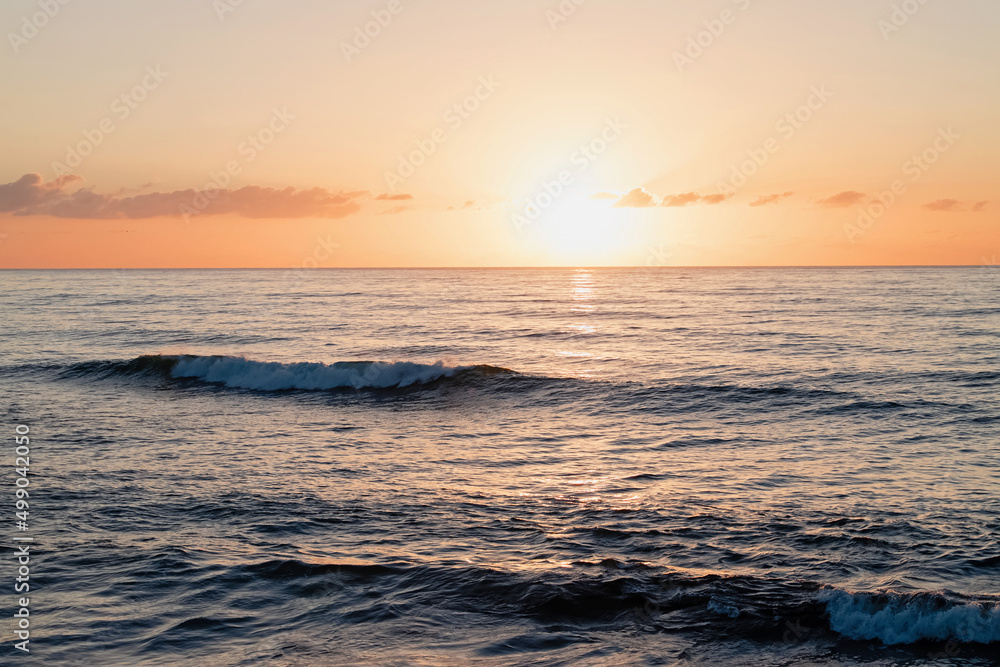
<point>241,373</point>
<point>898,618</point>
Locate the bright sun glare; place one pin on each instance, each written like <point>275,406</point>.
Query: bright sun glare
<point>578,229</point>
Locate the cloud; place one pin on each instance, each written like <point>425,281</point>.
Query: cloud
<point>638,198</point>
<point>682,199</point>
<point>393,197</point>
<point>30,195</point>
<point>954,206</point>
<point>397,210</point>
<point>30,190</point>
<point>712,200</point>
<point>842,199</point>
<point>944,205</point>
<point>765,200</point>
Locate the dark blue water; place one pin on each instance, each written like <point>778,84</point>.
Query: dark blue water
<point>551,467</point>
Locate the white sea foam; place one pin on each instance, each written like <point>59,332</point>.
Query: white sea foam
<point>896,618</point>
<point>243,373</point>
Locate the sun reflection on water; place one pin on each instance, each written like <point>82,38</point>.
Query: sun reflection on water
<point>583,290</point>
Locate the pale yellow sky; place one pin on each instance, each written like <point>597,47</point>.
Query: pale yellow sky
<point>215,133</point>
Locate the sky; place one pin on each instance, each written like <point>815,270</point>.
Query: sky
<point>434,133</point>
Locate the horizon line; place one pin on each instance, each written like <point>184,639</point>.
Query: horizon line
<point>506,268</point>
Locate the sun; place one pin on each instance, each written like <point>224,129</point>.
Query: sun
<point>578,230</point>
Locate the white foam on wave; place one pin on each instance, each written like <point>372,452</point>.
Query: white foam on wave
<point>240,373</point>
<point>896,618</point>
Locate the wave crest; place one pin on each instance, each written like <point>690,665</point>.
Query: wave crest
<point>897,618</point>
<point>242,373</point>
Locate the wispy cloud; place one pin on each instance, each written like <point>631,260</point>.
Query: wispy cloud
<point>944,205</point>
<point>388,197</point>
<point>951,205</point>
<point>689,198</point>
<point>842,199</point>
<point>639,198</point>
<point>713,200</point>
<point>681,199</point>
<point>766,200</point>
<point>397,210</point>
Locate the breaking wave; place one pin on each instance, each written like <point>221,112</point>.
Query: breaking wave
<point>897,618</point>
<point>241,373</point>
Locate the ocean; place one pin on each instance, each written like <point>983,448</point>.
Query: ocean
<point>657,466</point>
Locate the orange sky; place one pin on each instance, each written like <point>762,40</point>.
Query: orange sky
<point>214,133</point>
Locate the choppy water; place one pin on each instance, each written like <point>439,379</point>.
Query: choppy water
<point>499,467</point>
